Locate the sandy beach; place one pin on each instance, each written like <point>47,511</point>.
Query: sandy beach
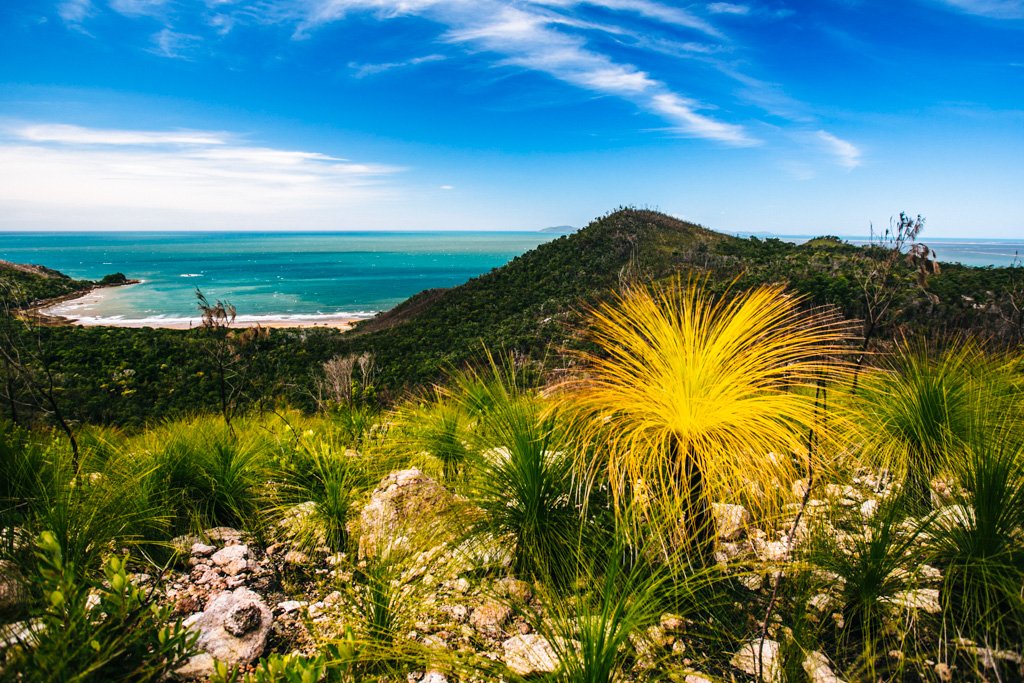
<point>80,310</point>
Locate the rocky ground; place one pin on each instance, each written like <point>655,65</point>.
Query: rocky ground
<point>244,599</point>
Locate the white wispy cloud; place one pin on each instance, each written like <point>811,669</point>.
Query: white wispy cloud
<point>364,70</point>
<point>74,11</point>
<point>137,8</point>
<point>173,45</point>
<point>684,113</point>
<point>77,135</point>
<point>728,8</point>
<point>537,35</point>
<point>846,153</point>
<point>170,179</point>
<point>995,9</point>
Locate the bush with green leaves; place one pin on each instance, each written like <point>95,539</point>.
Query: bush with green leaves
<point>96,630</point>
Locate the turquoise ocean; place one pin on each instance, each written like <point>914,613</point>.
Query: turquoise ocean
<point>306,276</point>
<point>300,276</point>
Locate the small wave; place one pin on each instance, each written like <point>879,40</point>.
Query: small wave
<point>240,321</point>
<point>191,275</point>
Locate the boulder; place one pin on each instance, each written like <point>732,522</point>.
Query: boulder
<point>233,629</point>
<point>730,520</point>
<point>924,599</point>
<point>231,560</point>
<point>529,654</point>
<point>760,657</point>
<point>405,502</point>
<point>818,670</point>
<point>490,617</point>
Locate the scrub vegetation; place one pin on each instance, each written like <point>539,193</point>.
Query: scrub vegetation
<point>686,475</point>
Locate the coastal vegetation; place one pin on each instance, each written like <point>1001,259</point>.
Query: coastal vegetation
<point>643,452</point>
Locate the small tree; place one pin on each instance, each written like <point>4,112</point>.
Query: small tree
<point>339,385</point>
<point>30,378</point>
<point>885,278</point>
<point>232,354</point>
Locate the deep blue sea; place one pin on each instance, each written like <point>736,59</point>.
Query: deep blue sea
<point>302,276</point>
<point>306,276</point>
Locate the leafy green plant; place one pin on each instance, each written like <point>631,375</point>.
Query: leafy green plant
<point>979,540</point>
<point>314,490</point>
<point>601,631</point>
<point>441,429</point>
<point>867,574</point>
<point>521,475</point>
<point>916,407</point>
<point>122,636</point>
<point>202,472</point>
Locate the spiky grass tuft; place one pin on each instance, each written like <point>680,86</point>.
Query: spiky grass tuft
<point>692,396</point>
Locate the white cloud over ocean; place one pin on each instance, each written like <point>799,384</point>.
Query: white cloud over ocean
<point>172,179</point>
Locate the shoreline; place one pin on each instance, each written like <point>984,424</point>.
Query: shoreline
<point>60,311</point>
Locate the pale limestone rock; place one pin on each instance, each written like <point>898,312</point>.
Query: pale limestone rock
<point>696,678</point>
<point>202,550</point>
<point>818,670</point>
<point>730,520</point>
<point>224,534</point>
<point>514,589</point>
<point>232,559</point>
<point>405,502</point>
<point>923,599</point>
<point>234,629</point>
<point>490,617</point>
<point>760,657</point>
<point>529,654</point>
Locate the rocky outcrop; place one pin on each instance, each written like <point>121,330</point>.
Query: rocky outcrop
<point>406,503</point>
<point>233,629</point>
<point>730,520</point>
<point>760,658</point>
<point>529,654</point>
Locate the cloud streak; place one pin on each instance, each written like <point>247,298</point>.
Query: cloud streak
<point>174,179</point>
<point>846,153</point>
<point>994,9</point>
<point>536,36</point>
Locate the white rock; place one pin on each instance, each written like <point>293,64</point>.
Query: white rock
<point>529,654</point>
<point>696,678</point>
<point>490,617</point>
<point>818,670</point>
<point>730,520</point>
<point>233,629</point>
<point>231,559</point>
<point>224,534</point>
<point>289,606</point>
<point>202,550</point>
<point>759,657</point>
<point>924,599</point>
<point>868,508</point>
<point>403,502</point>
<point>434,677</point>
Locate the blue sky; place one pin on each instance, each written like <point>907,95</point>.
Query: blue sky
<point>802,117</point>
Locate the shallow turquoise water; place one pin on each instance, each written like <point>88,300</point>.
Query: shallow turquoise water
<point>299,275</point>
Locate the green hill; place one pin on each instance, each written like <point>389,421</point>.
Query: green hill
<point>533,304</point>
<point>27,285</point>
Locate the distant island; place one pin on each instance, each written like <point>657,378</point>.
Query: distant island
<point>560,229</point>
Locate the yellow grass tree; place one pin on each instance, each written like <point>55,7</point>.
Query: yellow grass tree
<point>690,396</point>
